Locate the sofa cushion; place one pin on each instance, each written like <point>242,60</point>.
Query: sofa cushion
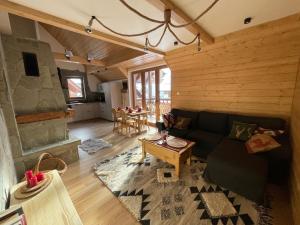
<point>265,122</point>
<point>182,122</point>
<point>212,122</point>
<point>181,133</point>
<point>230,166</point>
<point>261,143</point>
<point>187,114</point>
<point>205,142</point>
<point>242,131</point>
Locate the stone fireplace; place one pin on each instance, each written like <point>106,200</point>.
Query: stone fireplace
<point>34,89</point>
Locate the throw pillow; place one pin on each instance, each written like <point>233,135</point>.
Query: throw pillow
<point>169,120</point>
<point>242,131</point>
<point>271,132</point>
<point>182,122</point>
<point>261,143</point>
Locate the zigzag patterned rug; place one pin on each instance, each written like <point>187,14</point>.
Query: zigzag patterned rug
<point>154,196</point>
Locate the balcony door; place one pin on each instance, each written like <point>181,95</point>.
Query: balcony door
<point>152,90</point>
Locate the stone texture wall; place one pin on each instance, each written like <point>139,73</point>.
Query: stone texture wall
<point>34,94</point>
<point>7,170</point>
<point>8,111</point>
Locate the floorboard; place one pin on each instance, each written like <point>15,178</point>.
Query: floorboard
<point>96,205</point>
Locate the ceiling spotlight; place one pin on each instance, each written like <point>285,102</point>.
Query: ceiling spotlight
<point>90,57</point>
<point>68,54</point>
<point>88,28</point>
<point>247,20</point>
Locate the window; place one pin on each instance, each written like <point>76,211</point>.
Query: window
<point>75,87</point>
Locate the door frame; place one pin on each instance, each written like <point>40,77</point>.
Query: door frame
<point>157,86</point>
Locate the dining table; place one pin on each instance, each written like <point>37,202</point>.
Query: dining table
<point>137,114</point>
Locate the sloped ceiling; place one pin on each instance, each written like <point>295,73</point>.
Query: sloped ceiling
<point>82,45</point>
<point>110,74</point>
<point>226,17</point>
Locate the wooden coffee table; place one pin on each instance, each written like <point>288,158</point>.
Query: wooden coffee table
<point>174,156</point>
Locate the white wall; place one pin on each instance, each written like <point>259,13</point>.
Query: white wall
<point>116,97</point>
<point>93,82</point>
<point>4,24</point>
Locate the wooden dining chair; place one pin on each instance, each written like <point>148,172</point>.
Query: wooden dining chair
<point>144,121</point>
<point>117,119</point>
<point>127,122</point>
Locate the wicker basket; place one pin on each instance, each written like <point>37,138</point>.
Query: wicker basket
<point>47,162</point>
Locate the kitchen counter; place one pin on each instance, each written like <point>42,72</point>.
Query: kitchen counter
<point>85,111</point>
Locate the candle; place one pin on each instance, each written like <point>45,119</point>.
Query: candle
<point>40,176</point>
<point>33,181</point>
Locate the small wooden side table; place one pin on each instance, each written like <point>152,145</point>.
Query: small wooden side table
<point>52,206</point>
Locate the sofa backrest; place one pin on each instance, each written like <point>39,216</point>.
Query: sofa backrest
<point>221,123</point>
<point>188,114</point>
<point>212,122</point>
<point>265,122</point>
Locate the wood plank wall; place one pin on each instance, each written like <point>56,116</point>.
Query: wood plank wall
<point>253,71</point>
<point>295,174</point>
<point>249,71</point>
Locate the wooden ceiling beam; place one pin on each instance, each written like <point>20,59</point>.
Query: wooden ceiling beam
<point>181,17</point>
<point>77,59</point>
<point>123,70</point>
<point>46,18</point>
<point>91,69</point>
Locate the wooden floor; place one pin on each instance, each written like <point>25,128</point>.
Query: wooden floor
<point>96,205</point>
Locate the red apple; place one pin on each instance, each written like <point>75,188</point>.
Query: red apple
<point>40,176</point>
<point>33,181</point>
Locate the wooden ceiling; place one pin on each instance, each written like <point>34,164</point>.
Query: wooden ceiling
<point>82,45</point>
<point>141,60</point>
<point>106,74</point>
<point>114,60</point>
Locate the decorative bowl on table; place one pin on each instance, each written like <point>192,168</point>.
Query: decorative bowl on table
<point>24,191</point>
